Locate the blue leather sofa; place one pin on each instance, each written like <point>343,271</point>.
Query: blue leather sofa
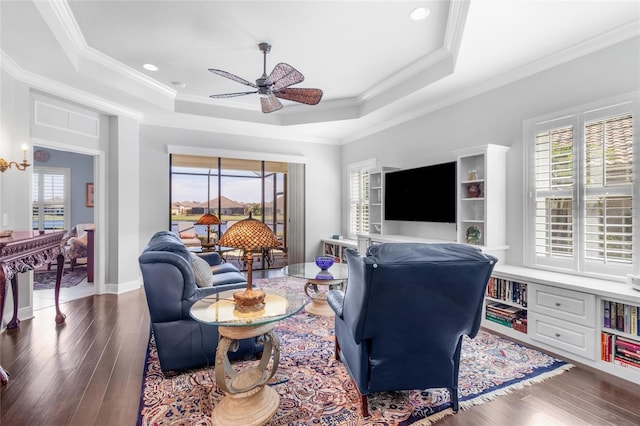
<point>171,290</point>
<point>400,322</point>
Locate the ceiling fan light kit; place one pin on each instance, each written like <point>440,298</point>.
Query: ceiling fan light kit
<point>274,86</point>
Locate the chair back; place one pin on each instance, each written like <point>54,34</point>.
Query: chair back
<point>411,303</point>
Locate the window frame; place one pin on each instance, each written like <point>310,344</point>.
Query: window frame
<point>59,171</point>
<point>577,117</point>
<point>359,199</point>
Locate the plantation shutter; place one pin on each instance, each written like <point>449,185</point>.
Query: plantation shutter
<point>358,201</point>
<point>49,192</point>
<point>554,228</point>
<point>608,189</point>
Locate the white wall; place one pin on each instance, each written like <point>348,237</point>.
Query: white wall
<point>497,117</point>
<point>15,186</point>
<point>322,165</point>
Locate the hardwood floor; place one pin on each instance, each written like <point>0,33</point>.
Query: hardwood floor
<point>89,372</point>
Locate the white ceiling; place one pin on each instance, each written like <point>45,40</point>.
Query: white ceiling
<point>376,67</point>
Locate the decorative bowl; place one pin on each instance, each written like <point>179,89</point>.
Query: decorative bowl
<point>324,262</point>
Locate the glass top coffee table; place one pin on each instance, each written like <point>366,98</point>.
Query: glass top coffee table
<point>247,400</point>
<point>318,283</point>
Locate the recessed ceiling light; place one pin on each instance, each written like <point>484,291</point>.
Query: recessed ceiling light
<point>150,67</point>
<point>419,13</point>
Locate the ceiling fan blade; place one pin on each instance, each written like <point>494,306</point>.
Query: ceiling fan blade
<point>270,103</point>
<point>231,95</point>
<point>233,77</point>
<point>305,96</point>
<point>283,75</point>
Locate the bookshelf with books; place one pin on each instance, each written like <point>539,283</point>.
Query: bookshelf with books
<point>620,335</point>
<point>568,315</point>
<point>335,248</point>
<point>505,307</point>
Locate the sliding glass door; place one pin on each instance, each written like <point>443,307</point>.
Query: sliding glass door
<point>231,189</point>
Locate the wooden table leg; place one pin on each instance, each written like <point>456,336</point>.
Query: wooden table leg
<point>15,322</point>
<point>4,374</point>
<point>60,317</point>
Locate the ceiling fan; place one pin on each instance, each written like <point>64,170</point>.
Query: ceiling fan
<point>275,86</point>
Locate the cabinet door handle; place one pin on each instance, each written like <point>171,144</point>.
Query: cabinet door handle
<point>557,304</point>
<point>557,334</point>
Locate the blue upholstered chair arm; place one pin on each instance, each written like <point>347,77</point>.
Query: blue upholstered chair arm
<point>335,299</point>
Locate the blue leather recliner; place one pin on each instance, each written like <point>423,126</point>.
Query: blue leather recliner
<point>171,290</point>
<point>400,321</point>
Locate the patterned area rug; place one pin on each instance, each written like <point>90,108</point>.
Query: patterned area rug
<point>45,279</point>
<point>314,388</point>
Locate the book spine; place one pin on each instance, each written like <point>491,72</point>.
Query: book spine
<point>626,323</point>
<point>605,348</point>
<point>629,354</point>
<point>627,344</point>
<point>613,312</point>
<point>606,314</point>
<point>634,320</point>
<point>498,320</point>
<point>621,360</point>
<point>620,316</point>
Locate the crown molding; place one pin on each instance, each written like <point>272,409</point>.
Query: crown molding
<point>455,27</point>
<point>63,91</point>
<point>229,153</point>
<point>586,47</point>
<point>59,18</point>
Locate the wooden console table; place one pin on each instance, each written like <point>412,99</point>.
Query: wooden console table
<point>24,251</point>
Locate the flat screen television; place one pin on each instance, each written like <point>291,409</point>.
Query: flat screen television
<point>423,194</point>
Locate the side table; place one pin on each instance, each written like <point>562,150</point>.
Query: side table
<point>248,401</point>
<point>318,283</point>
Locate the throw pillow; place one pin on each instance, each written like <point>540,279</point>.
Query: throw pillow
<point>187,235</point>
<point>202,271</point>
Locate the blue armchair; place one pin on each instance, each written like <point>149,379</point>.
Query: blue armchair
<point>400,321</point>
<point>171,290</point>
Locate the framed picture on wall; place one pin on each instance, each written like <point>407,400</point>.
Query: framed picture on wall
<point>89,195</point>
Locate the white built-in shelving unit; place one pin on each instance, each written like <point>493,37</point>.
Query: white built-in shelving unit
<point>482,199</point>
<point>376,199</point>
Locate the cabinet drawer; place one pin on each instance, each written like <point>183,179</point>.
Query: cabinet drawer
<point>564,304</point>
<point>568,336</point>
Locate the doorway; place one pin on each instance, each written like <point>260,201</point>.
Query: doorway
<point>62,200</point>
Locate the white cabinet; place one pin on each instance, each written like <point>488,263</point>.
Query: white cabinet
<point>376,199</point>
<point>482,188</point>
<point>590,320</point>
<point>562,318</point>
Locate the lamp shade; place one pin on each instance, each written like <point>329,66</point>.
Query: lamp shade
<point>208,219</point>
<point>249,234</point>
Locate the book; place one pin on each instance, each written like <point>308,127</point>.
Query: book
<point>613,312</point>
<point>634,320</point>
<point>626,323</point>
<point>624,363</point>
<point>498,320</point>
<point>628,344</point>
<point>620,316</point>
<point>605,350</point>
<point>627,353</point>
<point>606,314</point>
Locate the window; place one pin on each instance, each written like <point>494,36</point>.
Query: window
<point>580,205</point>
<point>50,192</point>
<point>359,197</point>
<point>231,189</point>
